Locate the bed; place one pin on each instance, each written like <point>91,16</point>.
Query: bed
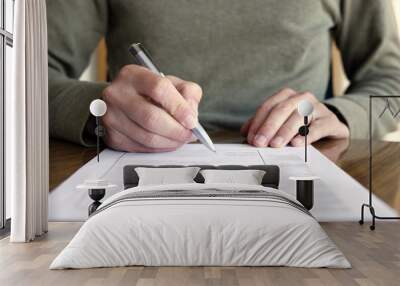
<point>201,224</point>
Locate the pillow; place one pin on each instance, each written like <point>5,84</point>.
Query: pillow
<point>166,176</point>
<point>247,177</point>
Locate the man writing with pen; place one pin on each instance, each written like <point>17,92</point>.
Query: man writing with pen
<point>234,65</point>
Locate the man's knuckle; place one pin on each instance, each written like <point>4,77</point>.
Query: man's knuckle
<point>308,95</point>
<point>117,141</point>
<point>284,106</point>
<point>106,120</point>
<point>126,71</point>
<point>109,121</point>
<point>287,131</point>
<point>114,140</point>
<point>195,89</point>
<point>331,117</point>
<point>182,134</point>
<point>265,105</point>
<point>286,90</point>
<point>180,110</point>
<point>267,127</point>
<point>150,140</point>
<point>108,94</point>
<point>150,118</point>
<point>159,87</point>
<point>253,129</point>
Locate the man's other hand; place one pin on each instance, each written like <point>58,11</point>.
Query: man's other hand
<point>149,113</point>
<point>277,122</point>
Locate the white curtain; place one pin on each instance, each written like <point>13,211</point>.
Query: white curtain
<point>27,124</point>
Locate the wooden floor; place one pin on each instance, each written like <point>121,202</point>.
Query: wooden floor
<point>375,257</point>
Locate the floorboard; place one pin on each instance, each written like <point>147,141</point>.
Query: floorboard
<point>375,257</point>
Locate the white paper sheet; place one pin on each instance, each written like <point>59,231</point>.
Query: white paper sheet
<point>338,197</point>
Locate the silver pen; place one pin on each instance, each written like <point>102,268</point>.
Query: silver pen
<point>143,58</point>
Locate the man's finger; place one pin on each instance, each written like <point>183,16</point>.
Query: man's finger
<point>120,122</point>
<point>277,116</point>
<point>163,92</point>
<point>190,91</point>
<point>120,142</point>
<point>245,127</point>
<point>264,109</point>
<point>318,129</point>
<point>154,119</point>
<point>287,131</point>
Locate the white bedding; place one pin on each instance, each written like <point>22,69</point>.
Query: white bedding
<point>188,231</point>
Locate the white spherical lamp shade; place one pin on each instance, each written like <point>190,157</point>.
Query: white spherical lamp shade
<point>305,108</point>
<point>98,107</point>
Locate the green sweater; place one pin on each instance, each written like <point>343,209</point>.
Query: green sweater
<point>239,51</point>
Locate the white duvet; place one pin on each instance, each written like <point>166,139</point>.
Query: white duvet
<point>188,231</point>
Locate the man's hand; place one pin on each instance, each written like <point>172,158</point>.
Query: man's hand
<point>276,122</point>
<point>149,113</point>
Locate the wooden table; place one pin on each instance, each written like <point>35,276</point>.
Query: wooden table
<point>352,156</point>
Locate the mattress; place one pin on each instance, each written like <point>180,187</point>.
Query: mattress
<point>201,225</point>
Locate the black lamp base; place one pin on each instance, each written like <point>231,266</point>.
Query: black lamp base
<point>305,193</point>
<point>96,195</point>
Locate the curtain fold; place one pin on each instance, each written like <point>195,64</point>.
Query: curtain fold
<point>27,124</point>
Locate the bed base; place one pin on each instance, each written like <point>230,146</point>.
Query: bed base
<point>96,195</point>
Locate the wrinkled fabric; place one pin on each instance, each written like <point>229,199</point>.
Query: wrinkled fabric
<point>230,231</point>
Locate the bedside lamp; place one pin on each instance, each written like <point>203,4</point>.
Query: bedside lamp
<point>305,109</point>
<point>96,186</point>
<point>98,108</point>
<point>305,184</point>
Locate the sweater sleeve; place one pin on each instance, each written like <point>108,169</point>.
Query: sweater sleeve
<point>74,30</point>
<point>367,37</point>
